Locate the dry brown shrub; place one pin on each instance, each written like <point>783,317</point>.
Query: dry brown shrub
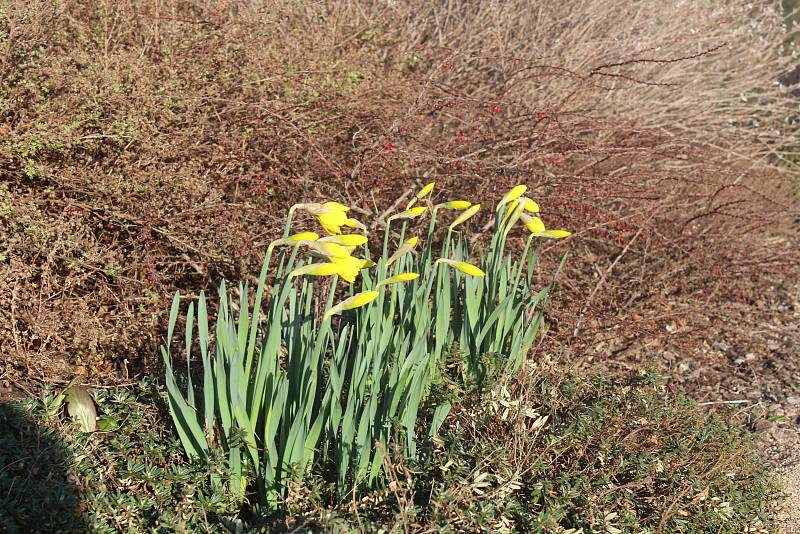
<point>150,146</point>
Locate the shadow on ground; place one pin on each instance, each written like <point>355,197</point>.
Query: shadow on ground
<point>36,493</point>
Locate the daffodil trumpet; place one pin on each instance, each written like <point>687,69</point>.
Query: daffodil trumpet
<point>537,229</point>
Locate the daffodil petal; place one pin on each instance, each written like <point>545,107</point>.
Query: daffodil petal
<point>531,206</point>
<point>352,261</point>
<point>331,229</point>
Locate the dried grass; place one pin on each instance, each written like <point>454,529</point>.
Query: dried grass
<point>154,146</point>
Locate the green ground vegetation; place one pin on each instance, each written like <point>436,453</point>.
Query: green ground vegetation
<point>547,452</point>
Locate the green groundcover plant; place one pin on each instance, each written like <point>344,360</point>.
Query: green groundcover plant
<point>343,384</point>
<point>546,451</point>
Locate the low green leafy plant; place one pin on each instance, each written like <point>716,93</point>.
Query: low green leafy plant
<point>545,452</point>
<point>342,384</point>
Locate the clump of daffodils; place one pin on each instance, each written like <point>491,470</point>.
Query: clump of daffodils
<point>319,378</point>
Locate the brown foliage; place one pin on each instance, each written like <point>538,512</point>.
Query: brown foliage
<point>150,146</point>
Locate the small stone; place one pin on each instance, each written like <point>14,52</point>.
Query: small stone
<point>739,361</point>
<point>721,346</point>
<point>750,356</point>
<point>792,399</point>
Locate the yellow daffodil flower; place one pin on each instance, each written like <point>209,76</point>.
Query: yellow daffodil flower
<point>465,215</point>
<point>537,228</point>
<point>523,204</point>
<point>426,190</point>
<point>554,234</point>
<point>410,213</point>
<point>332,221</point>
<point>405,248</point>
<point>464,267</point>
<point>534,224</point>
<point>331,215</point>
<point>402,277</point>
<point>347,270</point>
<point>514,194</point>
<point>351,266</point>
<point>422,194</point>
<point>356,301</point>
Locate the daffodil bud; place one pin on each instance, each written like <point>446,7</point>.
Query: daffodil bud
<point>411,213</point>
<point>455,205</point>
<point>405,248</point>
<point>462,266</point>
<point>514,194</point>
<point>353,223</point>
<point>555,234</point>
<point>294,239</point>
<point>356,301</point>
<point>422,194</point>
<point>465,215</point>
<point>402,277</point>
